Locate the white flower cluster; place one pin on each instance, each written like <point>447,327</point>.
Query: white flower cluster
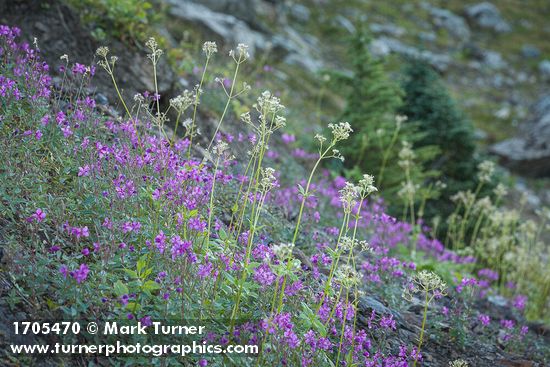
<point>183,101</point>
<point>425,282</point>
<point>268,103</point>
<point>406,156</point>
<point>340,131</point>
<point>347,276</point>
<point>400,119</point>
<point>408,190</point>
<point>102,51</point>
<point>458,363</point>
<point>486,170</point>
<point>283,251</point>
<point>240,54</point>
<point>366,185</point>
<point>348,196</point>
<point>156,52</point>
<point>220,148</point>
<point>268,180</point>
<point>466,198</point>
<point>348,244</point>
<point>209,48</point>
<point>500,191</point>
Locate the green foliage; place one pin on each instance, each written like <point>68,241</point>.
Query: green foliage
<point>428,103</point>
<point>121,18</point>
<point>372,102</point>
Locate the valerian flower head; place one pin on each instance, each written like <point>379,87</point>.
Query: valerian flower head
<point>408,190</point>
<point>486,170</point>
<point>102,51</point>
<point>347,276</point>
<point>348,196</point>
<point>220,148</point>
<point>458,363</point>
<point>268,103</point>
<point>155,51</point>
<point>246,118</point>
<point>465,198</point>
<point>320,138</point>
<point>240,54</point>
<point>283,251</point>
<point>209,48</point>
<point>280,122</point>
<point>406,156</point>
<point>183,101</point>
<point>500,191</point>
<point>347,243</point>
<point>340,131</point>
<point>336,154</point>
<point>425,282</point>
<point>400,119</point>
<point>268,180</point>
<point>483,205</point>
<point>366,185</point>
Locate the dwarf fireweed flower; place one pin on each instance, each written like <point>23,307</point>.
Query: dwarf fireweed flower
<point>81,273</point>
<point>519,302</point>
<point>485,319</point>
<point>39,215</point>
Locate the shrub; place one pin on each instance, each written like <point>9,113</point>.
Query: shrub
<point>372,102</point>
<point>441,123</point>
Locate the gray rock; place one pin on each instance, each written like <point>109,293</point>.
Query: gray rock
<point>530,51</point>
<point>486,15</point>
<point>345,23</point>
<point>241,9</point>
<point>293,47</point>
<point>544,69</point>
<point>385,45</point>
<point>529,152</point>
<point>493,59</point>
<point>225,27</point>
<point>427,37</point>
<point>453,23</point>
<point>300,12</point>
<point>389,29</point>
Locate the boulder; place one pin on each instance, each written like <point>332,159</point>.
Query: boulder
<point>389,29</point>
<point>451,22</point>
<point>544,69</point>
<point>300,12</point>
<point>530,51</point>
<point>224,27</point>
<point>384,45</point>
<point>290,46</point>
<point>528,153</point>
<point>486,15</point>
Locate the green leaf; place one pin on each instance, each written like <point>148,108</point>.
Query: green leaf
<point>120,289</point>
<point>150,285</point>
<point>131,306</point>
<point>131,273</point>
<point>142,262</point>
